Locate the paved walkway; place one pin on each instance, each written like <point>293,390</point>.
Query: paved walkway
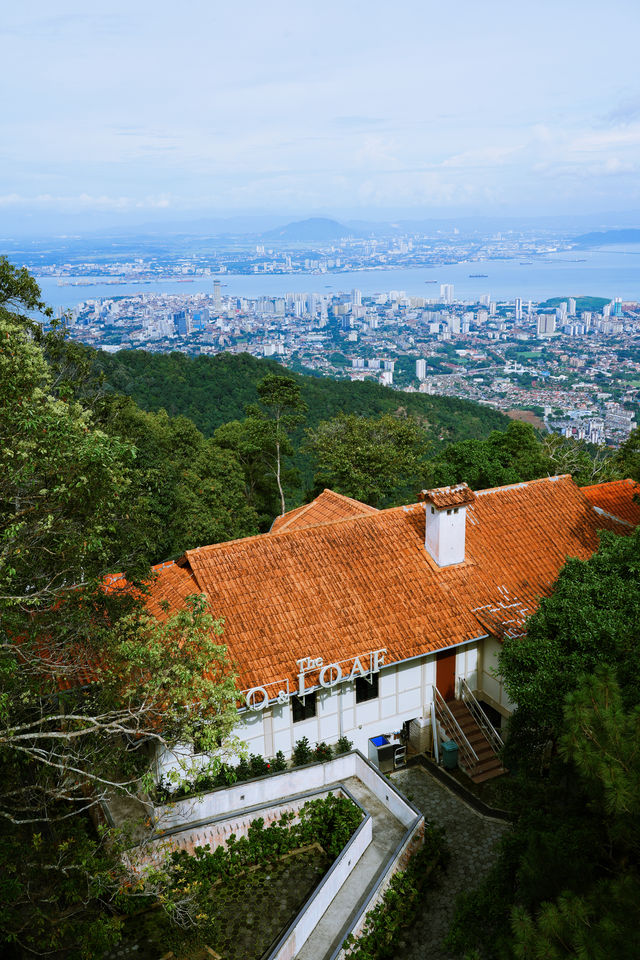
<point>386,835</point>
<point>472,840</point>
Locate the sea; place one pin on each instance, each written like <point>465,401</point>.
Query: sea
<point>612,271</point>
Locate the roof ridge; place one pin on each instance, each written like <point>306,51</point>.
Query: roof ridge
<point>284,531</point>
<point>298,512</point>
<point>343,496</point>
<point>609,483</point>
<point>527,483</point>
<point>281,531</point>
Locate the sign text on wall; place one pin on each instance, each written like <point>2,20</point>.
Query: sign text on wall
<point>329,675</point>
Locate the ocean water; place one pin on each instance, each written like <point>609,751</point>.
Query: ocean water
<point>606,272</point>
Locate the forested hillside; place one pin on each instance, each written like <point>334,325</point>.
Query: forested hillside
<point>211,391</point>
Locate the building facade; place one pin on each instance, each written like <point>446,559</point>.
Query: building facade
<point>347,621</point>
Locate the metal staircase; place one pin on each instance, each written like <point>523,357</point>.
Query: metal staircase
<point>464,721</point>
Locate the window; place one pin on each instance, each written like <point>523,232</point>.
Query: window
<point>304,709</point>
<point>366,689</point>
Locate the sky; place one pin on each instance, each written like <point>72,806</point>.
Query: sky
<point>130,111</point>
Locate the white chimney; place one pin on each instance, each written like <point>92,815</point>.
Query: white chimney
<point>446,514</point>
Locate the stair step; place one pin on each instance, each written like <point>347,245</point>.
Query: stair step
<point>488,775</point>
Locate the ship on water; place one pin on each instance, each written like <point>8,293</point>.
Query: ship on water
<point>482,276</point>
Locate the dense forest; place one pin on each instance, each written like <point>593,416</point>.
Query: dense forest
<point>211,391</point>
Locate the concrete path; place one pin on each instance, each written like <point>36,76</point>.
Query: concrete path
<point>386,835</point>
<point>473,842</point>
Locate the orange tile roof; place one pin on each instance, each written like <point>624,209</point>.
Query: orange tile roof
<point>336,590</point>
<point>442,497</point>
<point>326,508</point>
<point>620,498</point>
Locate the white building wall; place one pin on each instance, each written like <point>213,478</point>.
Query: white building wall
<point>404,693</point>
<point>489,685</point>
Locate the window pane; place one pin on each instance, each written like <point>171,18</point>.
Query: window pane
<point>304,709</point>
<point>365,689</point>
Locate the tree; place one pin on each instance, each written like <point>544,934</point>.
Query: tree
<point>238,439</point>
<point>190,490</point>
<point>567,882</point>
<point>586,464</point>
<point>592,617</point>
<point>368,458</point>
<point>90,682</point>
<point>627,459</point>
<point>601,740</point>
<point>271,422</point>
<point>505,457</point>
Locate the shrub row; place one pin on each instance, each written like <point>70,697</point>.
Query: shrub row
<point>249,769</point>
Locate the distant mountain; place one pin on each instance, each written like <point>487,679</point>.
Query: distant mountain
<point>315,229</point>
<point>607,237</point>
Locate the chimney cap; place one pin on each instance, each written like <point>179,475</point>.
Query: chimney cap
<point>459,495</point>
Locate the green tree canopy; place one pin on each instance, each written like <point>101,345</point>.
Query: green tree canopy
<point>591,618</point>
<point>508,456</point>
<point>567,880</point>
<point>189,490</point>
<point>368,458</point>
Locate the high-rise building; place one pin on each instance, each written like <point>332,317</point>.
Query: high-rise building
<point>572,307</point>
<point>421,369</point>
<point>216,294</point>
<point>446,292</point>
<point>545,324</point>
<point>356,297</point>
<point>518,308</point>
<point>183,323</point>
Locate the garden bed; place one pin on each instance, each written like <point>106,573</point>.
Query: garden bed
<point>235,900</point>
<point>241,917</point>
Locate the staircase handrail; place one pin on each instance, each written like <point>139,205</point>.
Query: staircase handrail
<point>466,749</point>
<point>468,698</point>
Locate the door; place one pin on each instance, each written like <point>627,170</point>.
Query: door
<point>446,674</point>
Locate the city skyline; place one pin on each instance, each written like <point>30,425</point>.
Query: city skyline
<point>133,113</point>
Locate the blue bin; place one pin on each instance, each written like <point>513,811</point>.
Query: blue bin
<point>450,755</point>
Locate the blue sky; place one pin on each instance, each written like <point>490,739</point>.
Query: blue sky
<point>355,108</point>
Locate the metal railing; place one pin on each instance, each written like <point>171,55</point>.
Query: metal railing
<point>466,695</point>
<point>444,716</point>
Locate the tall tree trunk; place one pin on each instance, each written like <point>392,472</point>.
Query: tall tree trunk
<point>278,479</point>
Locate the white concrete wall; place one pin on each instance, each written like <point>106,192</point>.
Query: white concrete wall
<point>467,663</point>
<point>266,790</point>
<point>489,686</point>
